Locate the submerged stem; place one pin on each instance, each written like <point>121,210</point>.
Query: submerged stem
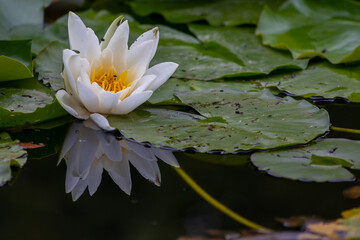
<point>347,130</point>
<point>216,203</point>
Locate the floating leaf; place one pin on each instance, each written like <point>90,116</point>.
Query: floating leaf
<point>15,60</point>
<point>49,65</point>
<point>216,12</point>
<point>11,154</point>
<point>25,102</point>
<point>21,19</point>
<point>224,52</point>
<point>320,162</point>
<point>323,79</point>
<point>254,120</point>
<point>326,28</point>
<point>166,93</point>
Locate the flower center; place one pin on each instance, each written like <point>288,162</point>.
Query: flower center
<point>109,80</point>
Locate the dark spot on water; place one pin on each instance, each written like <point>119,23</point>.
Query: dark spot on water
<point>183,70</point>
<point>292,75</point>
<point>1,93</point>
<point>324,51</point>
<point>269,115</point>
<point>217,107</point>
<point>221,90</point>
<point>237,112</point>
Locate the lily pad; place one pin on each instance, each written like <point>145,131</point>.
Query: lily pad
<point>323,161</point>
<point>166,93</point>
<point>11,154</point>
<point>230,120</point>
<point>21,19</point>
<point>25,102</point>
<point>224,52</point>
<point>216,12</point>
<point>326,28</point>
<point>49,65</point>
<point>15,60</point>
<point>323,79</point>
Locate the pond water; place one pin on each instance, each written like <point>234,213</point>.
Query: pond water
<point>35,205</point>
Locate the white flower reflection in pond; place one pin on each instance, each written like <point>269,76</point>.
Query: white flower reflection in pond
<point>88,150</point>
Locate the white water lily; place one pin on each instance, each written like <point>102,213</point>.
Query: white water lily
<point>88,151</point>
<point>108,77</point>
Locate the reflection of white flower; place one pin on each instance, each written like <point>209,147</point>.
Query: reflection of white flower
<point>88,150</point>
<point>109,78</point>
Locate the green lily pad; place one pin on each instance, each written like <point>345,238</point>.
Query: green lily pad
<point>11,155</point>
<point>165,95</point>
<point>224,52</point>
<point>321,79</point>
<point>246,48</point>
<point>230,120</point>
<point>49,65</point>
<point>15,60</point>
<point>216,12</point>
<point>21,19</point>
<point>326,28</point>
<point>27,102</point>
<point>320,162</point>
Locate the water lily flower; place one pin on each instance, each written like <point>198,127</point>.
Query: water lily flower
<point>108,77</point>
<point>88,150</point>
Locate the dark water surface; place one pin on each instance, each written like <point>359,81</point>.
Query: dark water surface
<point>35,205</point>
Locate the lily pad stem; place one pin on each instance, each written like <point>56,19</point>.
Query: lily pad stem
<point>217,204</point>
<point>347,130</point>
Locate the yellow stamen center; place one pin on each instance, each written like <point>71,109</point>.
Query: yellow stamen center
<point>109,80</point>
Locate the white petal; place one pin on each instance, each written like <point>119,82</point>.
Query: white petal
<point>131,102</point>
<point>71,105</point>
<point>138,60</point>
<point>143,83</point>
<point>68,75</point>
<point>88,97</point>
<point>107,58</point>
<point>77,34</point>
<point>118,46</point>
<point>152,34</point>
<point>93,48</point>
<point>101,121</point>
<point>108,100</point>
<point>162,71</point>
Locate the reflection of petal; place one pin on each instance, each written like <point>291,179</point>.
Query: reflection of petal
<point>120,173</point>
<point>88,150</point>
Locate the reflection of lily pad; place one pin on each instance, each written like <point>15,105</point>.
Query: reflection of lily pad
<point>235,121</point>
<point>322,79</point>
<point>320,162</point>
<point>15,60</point>
<point>216,12</point>
<point>326,28</point>
<point>11,154</point>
